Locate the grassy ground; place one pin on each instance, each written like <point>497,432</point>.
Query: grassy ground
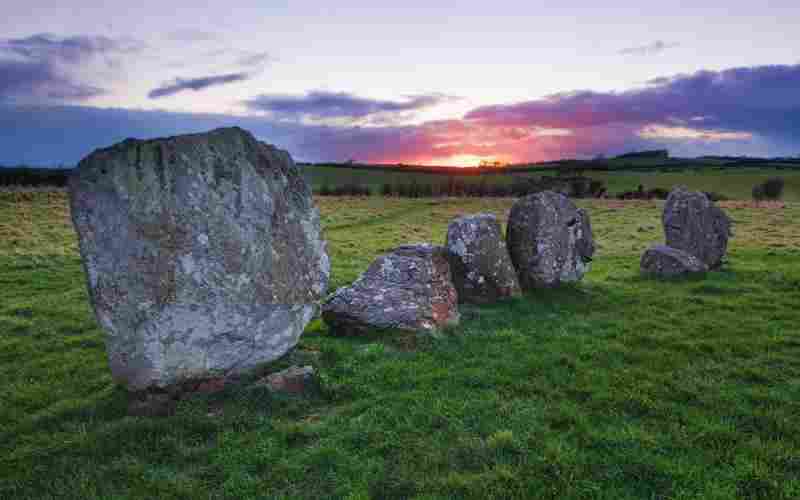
<point>736,184</point>
<point>618,388</point>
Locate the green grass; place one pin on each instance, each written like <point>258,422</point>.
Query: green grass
<point>617,388</point>
<point>736,183</point>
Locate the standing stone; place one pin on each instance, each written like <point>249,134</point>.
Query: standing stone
<point>667,262</point>
<point>479,262</point>
<point>202,252</point>
<point>550,240</point>
<point>694,224</point>
<point>410,288</point>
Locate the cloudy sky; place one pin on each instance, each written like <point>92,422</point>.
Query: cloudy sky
<point>505,80</point>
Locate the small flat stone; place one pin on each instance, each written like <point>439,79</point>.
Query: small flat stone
<point>667,262</point>
<point>293,380</point>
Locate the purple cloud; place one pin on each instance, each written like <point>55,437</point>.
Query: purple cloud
<point>196,84</point>
<point>761,100</point>
<point>322,104</point>
<point>741,111</point>
<point>45,67</point>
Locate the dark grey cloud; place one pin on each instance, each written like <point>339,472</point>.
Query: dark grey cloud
<point>47,67</point>
<point>72,50</point>
<point>41,80</point>
<point>650,49</point>
<point>196,84</point>
<point>322,104</point>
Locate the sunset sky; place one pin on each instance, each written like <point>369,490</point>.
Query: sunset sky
<point>329,81</point>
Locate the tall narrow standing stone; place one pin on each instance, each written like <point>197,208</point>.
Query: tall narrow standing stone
<point>202,253</point>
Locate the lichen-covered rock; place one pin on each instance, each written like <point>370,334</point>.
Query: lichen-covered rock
<point>202,252</point>
<point>293,380</point>
<point>409,288</point>
<point>549,240</point>
<point>696,225</point>
<point>479,262</point>
<point>667,262</point>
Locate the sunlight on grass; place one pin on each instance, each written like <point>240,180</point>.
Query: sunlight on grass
<point>618,387</point>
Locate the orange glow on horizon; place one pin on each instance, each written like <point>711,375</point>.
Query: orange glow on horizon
<point>462,160</point>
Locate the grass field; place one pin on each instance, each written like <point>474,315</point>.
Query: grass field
<point>735,184</point>
<point>617,388</point>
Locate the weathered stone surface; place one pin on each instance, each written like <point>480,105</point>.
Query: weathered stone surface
<point>549,240</point>
<point>667,262</point>
<point>479,262</point>
<point>696,225</point>
<point>202,253</point>
<point>409,288</point>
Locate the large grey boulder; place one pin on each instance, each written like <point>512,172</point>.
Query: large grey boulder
<point>479,262</point>
<point>549,240</point>
<point>202,252</point>
<point>667,262</point>
<point>409,288</point>
<point>696,225</point>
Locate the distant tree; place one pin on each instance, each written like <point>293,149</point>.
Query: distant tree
<point>773,188</point>
<point>596,187</point>
<point>386,189</point>
<point>451,186</point>
<point>758,192</point>
<point>483,188</point>
<point>491,163</point>
<point>413,191</point>
<point>460,188</point>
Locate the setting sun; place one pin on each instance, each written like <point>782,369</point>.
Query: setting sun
<point>465,160</point>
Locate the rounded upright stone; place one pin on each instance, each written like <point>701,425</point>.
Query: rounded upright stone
<point>409,288</point>
<point>549,240</point>
<point>203,254</point>
<point>666,262</point>
<point>694,224</point>
<point>479,262</point>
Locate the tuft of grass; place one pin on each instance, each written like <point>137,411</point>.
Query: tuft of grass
<point>616,388</point>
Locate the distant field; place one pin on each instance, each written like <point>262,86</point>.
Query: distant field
<point>735,184</point>
<point>617,388</point>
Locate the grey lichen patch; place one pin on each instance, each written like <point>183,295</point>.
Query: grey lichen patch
<point>217,230</point>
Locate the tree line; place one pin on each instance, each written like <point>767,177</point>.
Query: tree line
<point>34,177</point>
